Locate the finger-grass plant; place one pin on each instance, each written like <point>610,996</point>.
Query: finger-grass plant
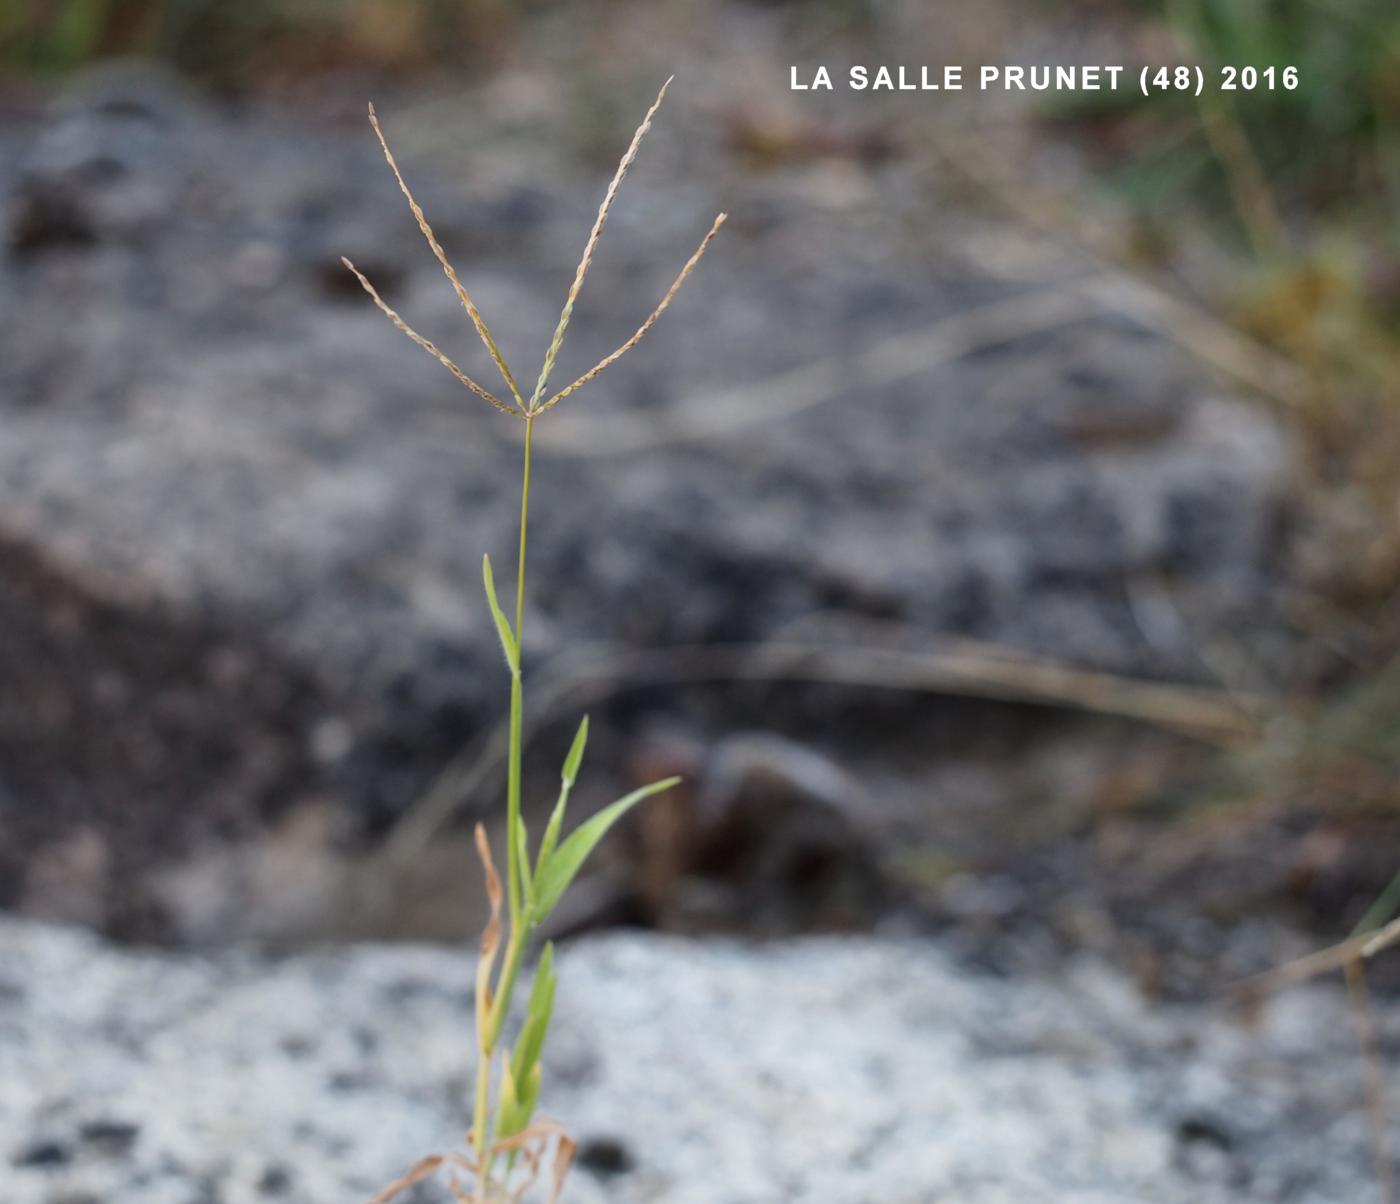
<point>506,1142</point>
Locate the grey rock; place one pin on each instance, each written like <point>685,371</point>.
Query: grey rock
<point>761,835</point>
<point>824,1069</point>
<point>108,166</point>
<point>207,434</point>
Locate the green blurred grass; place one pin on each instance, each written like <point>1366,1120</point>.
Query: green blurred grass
<point>1295,192</point>
<point>1329,148</point>
<point>227,43</point>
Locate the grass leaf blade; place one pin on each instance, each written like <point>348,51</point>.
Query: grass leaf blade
<point>566,861</point>
<point>537,1017</point>
<point>550,840</point>
<point>522,846</point>
<point>508,644</point>
<point>491,935</point>
<point>575,757</point>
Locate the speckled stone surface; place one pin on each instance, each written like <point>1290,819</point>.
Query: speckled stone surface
<point>840,1071</point>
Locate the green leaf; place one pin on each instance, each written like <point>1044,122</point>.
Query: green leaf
<point>508,1121</point>
<point>575,757</point>
<point>542,988</point>
<point>522,845</point>
<point>551,832</point>
<point>508,644</point>
<point>556,819</point>
<point>529,1096</point>
<point>563,864</point>
<point>537,1017</point>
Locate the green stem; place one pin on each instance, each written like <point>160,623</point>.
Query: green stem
<point>515,954</point>
<point>524,523</point>
<point>519,919</point>
<point>517,697</point>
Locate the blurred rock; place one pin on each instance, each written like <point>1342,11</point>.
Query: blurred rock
<point>232,460</point>
<point>840,1070</point>
<point>761,834</point>
<point>108,164</point>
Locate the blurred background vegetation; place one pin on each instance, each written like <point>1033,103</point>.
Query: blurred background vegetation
<point>1279,211</point>
<point>245,44</point>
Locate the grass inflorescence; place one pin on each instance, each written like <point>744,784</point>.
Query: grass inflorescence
<point>507,1143</point>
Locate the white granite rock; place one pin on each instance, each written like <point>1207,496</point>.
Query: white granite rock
<point>840,1071</point>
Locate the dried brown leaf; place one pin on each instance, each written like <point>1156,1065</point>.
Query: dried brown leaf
<point>534,1133</point>
<point>531,1157</point>
<point>425,1169</point>
<point>563,1160</point>
<point>460,1194</point>
<point>490,936</point>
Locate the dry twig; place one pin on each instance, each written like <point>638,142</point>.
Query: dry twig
<point>957,668</point>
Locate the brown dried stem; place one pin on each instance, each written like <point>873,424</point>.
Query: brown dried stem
<point>1375,1082</point>
<point>425,1169</point>
<point>486,961</point>
<point>1364,946</point>
<point>531,1143</point>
